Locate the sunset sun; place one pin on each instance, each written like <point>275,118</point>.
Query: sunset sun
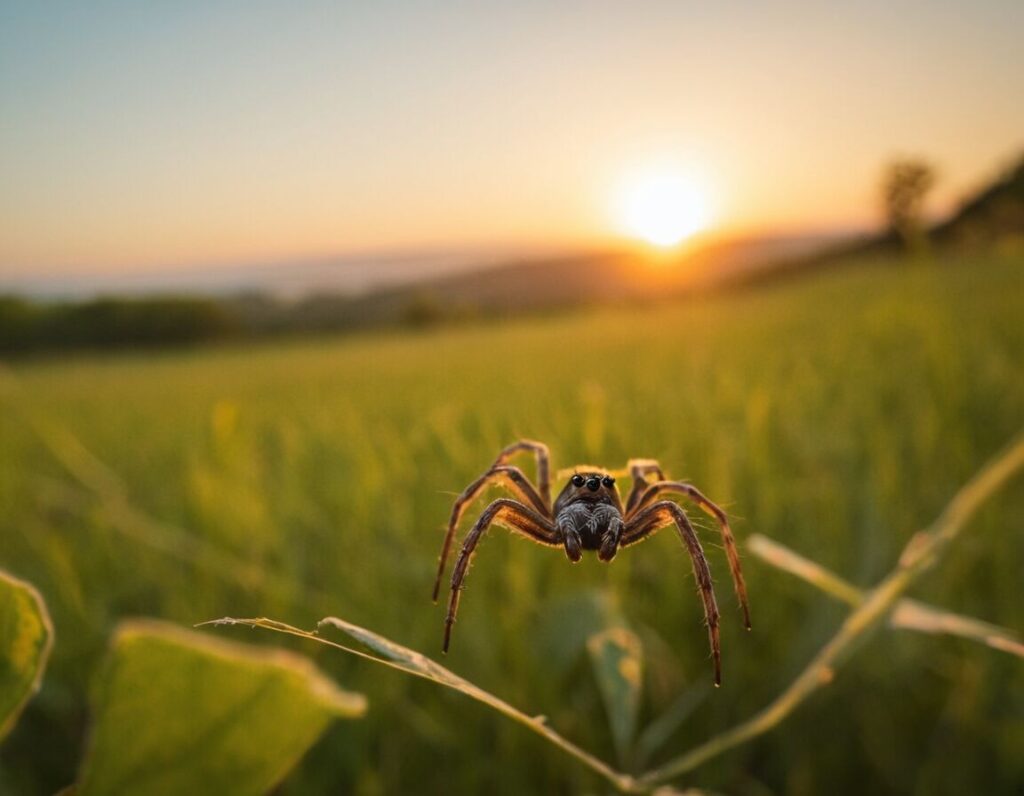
<point>662,209</point>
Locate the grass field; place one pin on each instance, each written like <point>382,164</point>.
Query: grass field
<point>836,414</point>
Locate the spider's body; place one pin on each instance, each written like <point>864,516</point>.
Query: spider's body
<point>589,515</point>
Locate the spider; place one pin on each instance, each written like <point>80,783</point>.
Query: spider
<point>588,514</point>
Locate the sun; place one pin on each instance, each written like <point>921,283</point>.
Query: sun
<point>662,208</point>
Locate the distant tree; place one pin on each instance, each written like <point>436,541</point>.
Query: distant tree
<point>18,324</point>
<point>905,187</point>
<point>422,310</point>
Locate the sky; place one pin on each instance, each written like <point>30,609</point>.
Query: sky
<point>137,137</point>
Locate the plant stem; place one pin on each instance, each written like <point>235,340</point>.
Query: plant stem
<point>907,614</point>
<point>924,550</point>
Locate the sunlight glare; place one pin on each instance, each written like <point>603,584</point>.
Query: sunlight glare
<point>662,209</point>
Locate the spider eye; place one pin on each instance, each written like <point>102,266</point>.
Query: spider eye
<point>578,480</point>
<point>608,481</point>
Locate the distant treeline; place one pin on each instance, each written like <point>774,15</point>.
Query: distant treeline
<point>29,327</point>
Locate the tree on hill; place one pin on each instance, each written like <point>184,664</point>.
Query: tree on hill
<point>905,187</point>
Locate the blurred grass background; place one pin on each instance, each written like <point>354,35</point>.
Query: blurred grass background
<point>836,414</point>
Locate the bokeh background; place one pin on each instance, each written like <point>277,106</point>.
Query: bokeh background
<point>280,280</point>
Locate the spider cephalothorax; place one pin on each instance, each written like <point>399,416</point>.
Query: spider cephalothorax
<point>589,515</point>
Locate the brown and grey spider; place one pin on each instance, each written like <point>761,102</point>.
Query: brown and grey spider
<point>589,515</point>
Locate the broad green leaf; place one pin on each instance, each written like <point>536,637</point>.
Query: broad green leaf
<point>617,658</point>
<point>26,636</point>
<point>180,712</point>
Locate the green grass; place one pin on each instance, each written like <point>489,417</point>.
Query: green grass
<point>835,414</point>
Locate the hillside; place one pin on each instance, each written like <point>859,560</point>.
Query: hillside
<point>536,286</point>
<point>993,217</point>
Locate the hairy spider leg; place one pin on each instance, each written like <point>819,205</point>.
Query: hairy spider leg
<point>514,479</point>
<point>655,490</point>
<point>543,459</point>
<point>639,469</point>
<point>512,515</point>
<point>660,515</point>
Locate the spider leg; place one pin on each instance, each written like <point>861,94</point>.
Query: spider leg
<point>660,515</point>
<point>514,479</point>
<point>543,458</point>
<point>655,490</point>
<point>514,516</point>
<point>638,471</point>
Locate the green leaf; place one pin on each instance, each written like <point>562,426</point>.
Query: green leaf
<point>180,712</point>
<point>616,655</point>
<point>26,636</point>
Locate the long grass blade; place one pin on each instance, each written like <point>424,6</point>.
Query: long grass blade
<point>395,656</point>
<point>906,615</point>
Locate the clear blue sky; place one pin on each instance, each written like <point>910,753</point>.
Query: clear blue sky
<point>143,135</point>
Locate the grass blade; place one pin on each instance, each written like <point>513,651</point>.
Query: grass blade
<point>914,615</point>
<point>907,615</point>
<point>922,552</point>
<point>657,733</point>
<point>395,656</point>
